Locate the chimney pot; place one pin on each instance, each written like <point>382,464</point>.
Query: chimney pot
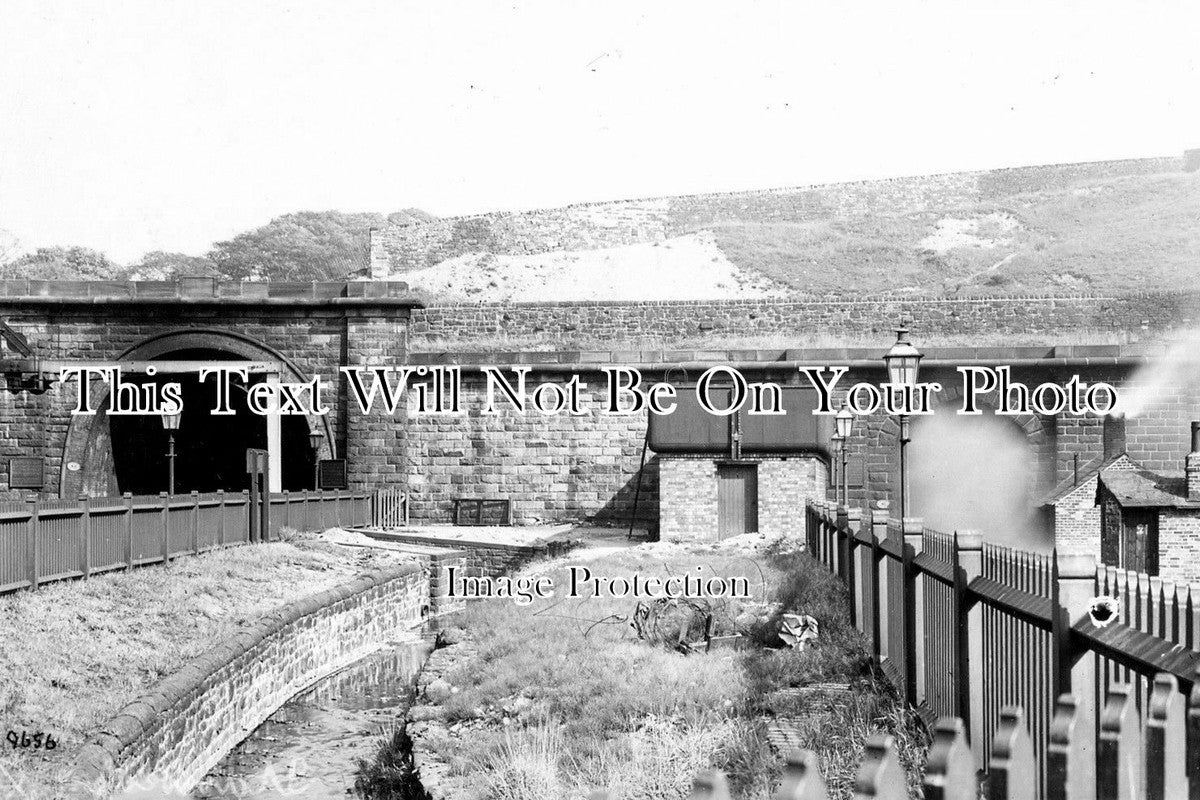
<point>1114,436</point>
<point>1191,465</point>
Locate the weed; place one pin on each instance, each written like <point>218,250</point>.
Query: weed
<point>390,774</point>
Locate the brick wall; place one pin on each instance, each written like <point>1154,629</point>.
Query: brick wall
<point>1077,517</point>
<point>1179,545</point>
<point>688,496</point>
<point>178,731</point>
<point>687,489</point>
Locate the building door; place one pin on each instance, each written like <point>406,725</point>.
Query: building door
<point>737,499</point>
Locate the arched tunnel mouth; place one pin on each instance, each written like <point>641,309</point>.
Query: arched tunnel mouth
<point>210,449</point>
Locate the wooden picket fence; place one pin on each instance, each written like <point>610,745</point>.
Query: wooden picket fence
<point>390,508</point>
<point>44,540</point>
<point>1132,760</point>
<point>967,630</point>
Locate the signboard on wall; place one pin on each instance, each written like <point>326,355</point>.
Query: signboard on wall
<point>331,473</point>
<point>25,473</point>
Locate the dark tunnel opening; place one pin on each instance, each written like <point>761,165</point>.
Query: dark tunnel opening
<point>210,449</point>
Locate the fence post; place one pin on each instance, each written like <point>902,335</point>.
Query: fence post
<point>195,523</point>
<point>248,515</point>
<point>842,541</point>
<point>853,526</point>
<point>31,549</point>
<point>85,534</point>
<point>1191,741</point>
<point>220,518</point>
<point>968,638</point>
<point>128,531</point>
<point>287,510</point>
<point>879,520</point>
<point>165,516</point>
<point>913,529</point>
<point>1120,748</point>
<point>1075,673</point>
<point>1165,741</point>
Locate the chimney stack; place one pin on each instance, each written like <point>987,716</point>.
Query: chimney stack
<point>1192,465</point>
<point>1114,436</point>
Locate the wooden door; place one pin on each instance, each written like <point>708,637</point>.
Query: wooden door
<point>737,499</point>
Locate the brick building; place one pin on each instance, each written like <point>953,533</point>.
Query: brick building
<point>1150,520</point>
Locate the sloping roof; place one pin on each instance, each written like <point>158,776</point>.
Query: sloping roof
<point>1086,473</point>
<point>1142,488</point>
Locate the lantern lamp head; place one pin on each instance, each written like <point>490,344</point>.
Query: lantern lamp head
<point>845,422</point>
<point>903,360</point>
<point>171,421</point>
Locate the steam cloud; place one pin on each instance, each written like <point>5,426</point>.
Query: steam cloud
<point>1177,370</point>
<point>974,472</point>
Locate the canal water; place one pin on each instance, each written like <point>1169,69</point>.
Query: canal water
<point>310,748</point>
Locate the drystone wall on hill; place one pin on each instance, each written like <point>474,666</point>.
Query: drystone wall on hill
<point>590,226</point>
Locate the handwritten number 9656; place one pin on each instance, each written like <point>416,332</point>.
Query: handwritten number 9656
<point>36,741</point>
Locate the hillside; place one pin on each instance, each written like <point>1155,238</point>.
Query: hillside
<point>1102,227</point>
<point>689,267</point>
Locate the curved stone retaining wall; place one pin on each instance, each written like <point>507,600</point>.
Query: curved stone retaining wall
<point>172,736</point>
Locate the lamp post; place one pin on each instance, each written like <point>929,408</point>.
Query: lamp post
<point>170,424</point>
<point>315,437</point>
<point>839,447</point>
<point>845,425</point>
<point>903,362</point>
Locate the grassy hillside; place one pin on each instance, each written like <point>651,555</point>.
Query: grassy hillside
<point>1122,234</point>
<point>1096,227</point>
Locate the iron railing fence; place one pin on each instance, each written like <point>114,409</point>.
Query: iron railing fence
<point>45,540</point>
<point>966,629</point>
<point>1129,759</point>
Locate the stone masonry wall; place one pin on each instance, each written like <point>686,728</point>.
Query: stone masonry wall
<point>551,468</point>
<point>803,318</point>
<point>315,340</point>
<point>476,558</point>
<point>176,733</point>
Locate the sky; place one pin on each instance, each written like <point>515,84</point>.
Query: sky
<point>148,125</point>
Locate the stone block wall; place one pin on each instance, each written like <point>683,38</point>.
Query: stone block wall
<point>374,441</point>
<point>551,468</point>
<point>173,735</point>
<point>801,318</point>
<point>476,558</point>
<point>688,496</point>
<point>312,339</point>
